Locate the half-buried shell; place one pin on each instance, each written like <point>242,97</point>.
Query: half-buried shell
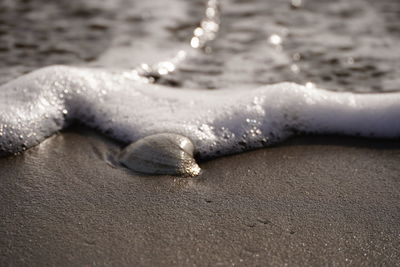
<point>164,153</point>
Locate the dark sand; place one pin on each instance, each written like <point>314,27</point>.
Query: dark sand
<point>311,201</point>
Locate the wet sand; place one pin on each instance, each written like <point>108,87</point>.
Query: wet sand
<point>310,201</point>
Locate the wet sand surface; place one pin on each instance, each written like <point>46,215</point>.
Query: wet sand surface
<point>310,201</point>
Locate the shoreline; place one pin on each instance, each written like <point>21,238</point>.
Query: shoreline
<point>309,201</point>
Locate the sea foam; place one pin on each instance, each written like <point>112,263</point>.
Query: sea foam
<point>219,122</point>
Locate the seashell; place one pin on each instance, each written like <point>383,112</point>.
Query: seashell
<point>164,153</point>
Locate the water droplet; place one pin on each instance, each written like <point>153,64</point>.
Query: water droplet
<point>210,12</point>
<point>294,68</point>
<point>310,85</point>
<point>198,32</point>
<point>275,39</point>
<point>296,3</point>
<point>195,42</point>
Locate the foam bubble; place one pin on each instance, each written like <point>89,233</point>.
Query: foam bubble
<point>219,122</point>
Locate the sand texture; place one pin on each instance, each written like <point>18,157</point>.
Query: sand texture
<point>313,201</point>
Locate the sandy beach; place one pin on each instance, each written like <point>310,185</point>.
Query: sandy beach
<point>310,201</point>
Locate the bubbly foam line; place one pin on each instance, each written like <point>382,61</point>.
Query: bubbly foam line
<point>219,122</point>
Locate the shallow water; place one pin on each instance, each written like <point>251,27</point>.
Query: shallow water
<point>340,45</point>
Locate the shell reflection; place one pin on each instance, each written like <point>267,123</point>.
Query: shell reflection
<point>164,153</point>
